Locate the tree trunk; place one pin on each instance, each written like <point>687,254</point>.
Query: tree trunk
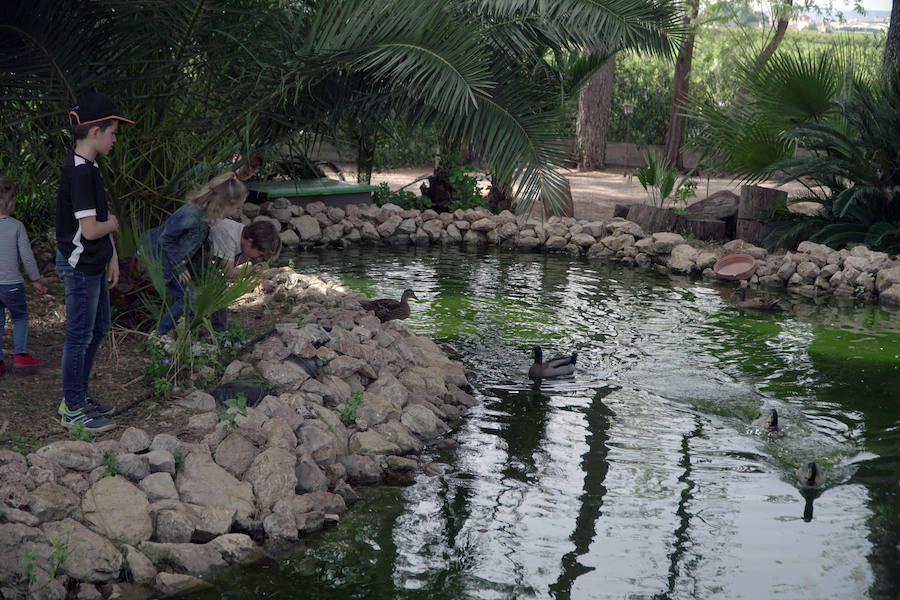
<point>892,47</point>
<point>681,87</point>
<point>755,203</point>
<point>592,123</point>
<point>780,28</point>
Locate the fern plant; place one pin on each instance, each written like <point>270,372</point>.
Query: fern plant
<point>659,181</point>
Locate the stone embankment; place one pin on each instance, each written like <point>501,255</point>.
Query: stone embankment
<point>813,270</point>
<point>357,401</point>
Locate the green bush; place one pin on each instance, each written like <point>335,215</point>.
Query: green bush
<point>407,200</point>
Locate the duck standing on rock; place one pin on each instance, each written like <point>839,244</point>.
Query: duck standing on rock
<point>758,303</point>
<point>388,309</point>
<point>555,367</point>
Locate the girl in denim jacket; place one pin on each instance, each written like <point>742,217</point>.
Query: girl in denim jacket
<point>182,242</point>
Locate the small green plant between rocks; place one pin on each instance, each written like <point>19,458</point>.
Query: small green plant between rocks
<point>178,454</point>
<point>351,406</point>
<point>237,406</point>
<point>109,463</point>
<point>78,433</point>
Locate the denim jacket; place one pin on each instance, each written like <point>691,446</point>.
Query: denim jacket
<point>177,241</point>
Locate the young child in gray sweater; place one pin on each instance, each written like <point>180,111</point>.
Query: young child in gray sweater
<point>15,249</point>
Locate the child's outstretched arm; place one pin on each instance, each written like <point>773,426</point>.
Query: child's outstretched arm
<point>92,229</point>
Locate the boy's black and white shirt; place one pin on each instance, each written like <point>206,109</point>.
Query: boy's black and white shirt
<point>81,195</point>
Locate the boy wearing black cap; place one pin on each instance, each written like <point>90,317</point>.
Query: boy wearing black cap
<point>86,257</point>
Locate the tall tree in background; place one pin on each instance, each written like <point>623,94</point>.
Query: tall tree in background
<point>592,122</point>
<point>892,47</point>
<point>681,86</point>
<point>782,13</point>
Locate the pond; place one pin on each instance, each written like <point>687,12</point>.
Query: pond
<point>639,476</point>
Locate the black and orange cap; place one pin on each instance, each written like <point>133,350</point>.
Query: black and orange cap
<point>93,108</point>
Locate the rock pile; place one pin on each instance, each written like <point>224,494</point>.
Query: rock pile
<point>357,402</point>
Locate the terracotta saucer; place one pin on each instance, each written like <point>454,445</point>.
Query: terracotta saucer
<point>735,266</point>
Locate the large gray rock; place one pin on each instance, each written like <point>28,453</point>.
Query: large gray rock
<point>422,422</point>
<point>205,483</point>
<point>135,440</point>
<point>682,259</point>
<point>375,409</point>
<point>235,453</point>
<point>389,226</point>
<point>618,241</point>
<point>361,470</point>
<point>211,522</point>
<point>159,486</point>
<point>15,541</point>
<point>170,585</point>
<point>71,454</point>
<point>197,559</point>
<point>162,461</point>
<point>140,568</point>
<point>132,466</point>
<point>284,373</point>
<point>279,434</point>
<point>119,510</point>
<point>52,502</point>
<point>174,526</point>
<point>887,277</point>
<point>197,401</point>
<point>89,556</point>
<point>321,445</point>
<point>308,228</point>
<point>371,442</point>
<point>398,434</point>
<point>663,242</point>
<point>237,548</point>
<point>272,476</point>
<point>890,296</point>
<point>310,477</point>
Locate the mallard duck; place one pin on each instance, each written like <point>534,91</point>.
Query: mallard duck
<point>767,422</point>
<point>555,367</point>
<point>810,476</point>
<point>387,309</point>
<point>757,303</point>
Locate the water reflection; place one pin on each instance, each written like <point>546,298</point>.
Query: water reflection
<point>639,476</point>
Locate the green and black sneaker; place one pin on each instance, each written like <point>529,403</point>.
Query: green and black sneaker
<point>92,422</point>
<point>90,404</point>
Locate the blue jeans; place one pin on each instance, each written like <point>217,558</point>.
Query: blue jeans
<point>184,295</point>
<point>87,323</point>
<point>12,298</point>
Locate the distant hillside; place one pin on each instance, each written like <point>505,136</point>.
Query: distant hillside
<point>852,14</point>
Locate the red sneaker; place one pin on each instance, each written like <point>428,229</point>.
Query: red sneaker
<point>25,361</point>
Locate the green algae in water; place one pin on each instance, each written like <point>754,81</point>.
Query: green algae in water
<point>842,345</point>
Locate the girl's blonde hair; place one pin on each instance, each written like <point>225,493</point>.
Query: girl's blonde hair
<point>7,194</point>
<point>221,193</point>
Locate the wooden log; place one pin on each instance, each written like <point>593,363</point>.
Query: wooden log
<point>561,204</point>
<point>621,210</point>
<point>755,204</point>
<point>710,230</point>
<point>652,219</point>
<point>722,205</point>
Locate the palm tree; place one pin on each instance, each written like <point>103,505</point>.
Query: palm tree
<point>203,75</point>
<point>843,126</point>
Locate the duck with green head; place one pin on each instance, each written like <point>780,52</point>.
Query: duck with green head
<point>555,367</point>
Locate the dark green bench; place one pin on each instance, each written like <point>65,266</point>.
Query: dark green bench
<point>303,191</point>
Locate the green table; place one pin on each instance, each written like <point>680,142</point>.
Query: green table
<point>303,191</point>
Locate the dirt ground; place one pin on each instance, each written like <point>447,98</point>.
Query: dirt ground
<point>594,193</point>
<point>28,403</point>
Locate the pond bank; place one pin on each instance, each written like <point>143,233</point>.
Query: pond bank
<point>357,402</point>
<point>813,270</point>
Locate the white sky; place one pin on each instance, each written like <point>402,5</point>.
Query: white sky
<point>868,4</point>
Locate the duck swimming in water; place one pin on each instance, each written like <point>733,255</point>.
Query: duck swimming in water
<point>555,367</point>
<point>767,422</point>
<point>810,476</point>
<point>388,309</point>
<point>757,303</point>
